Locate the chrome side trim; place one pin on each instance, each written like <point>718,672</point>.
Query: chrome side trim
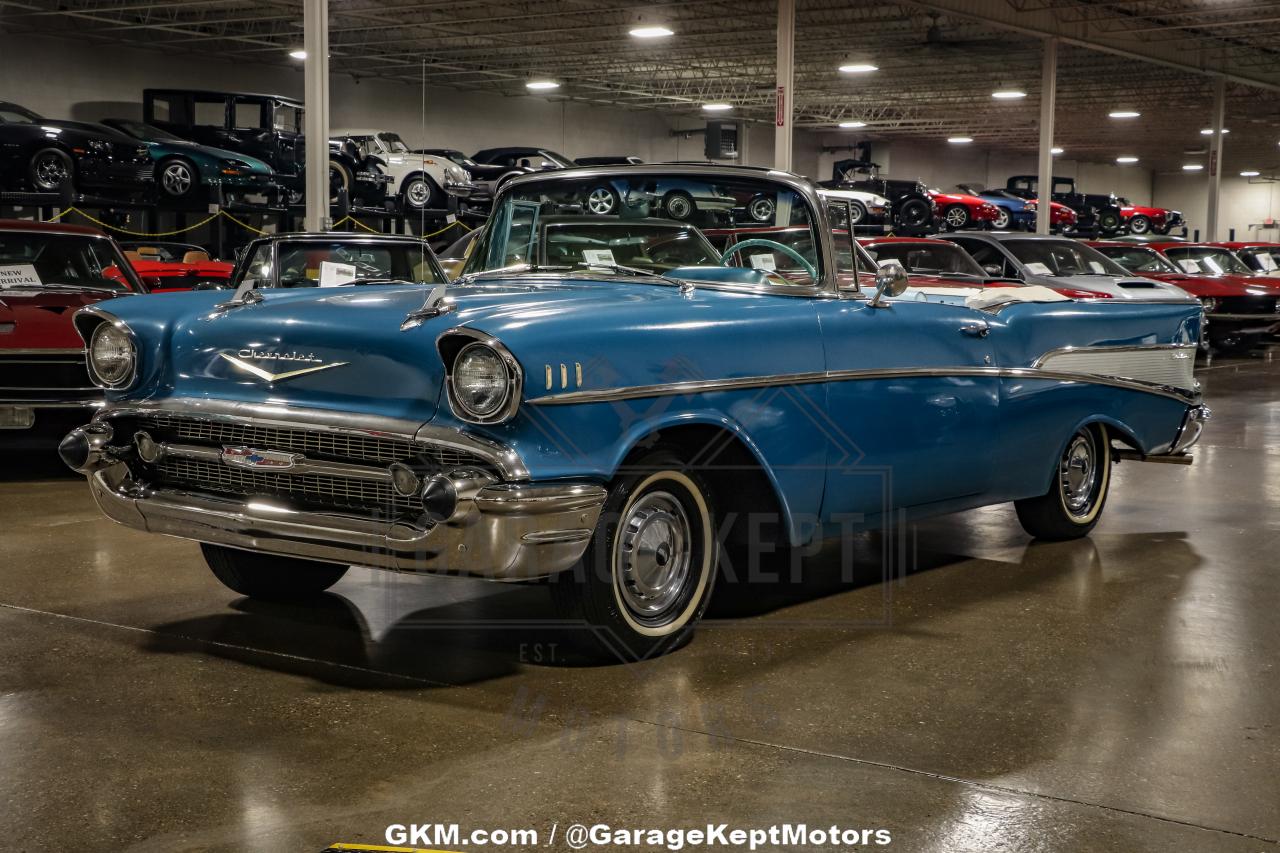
<point>1171,365</point>
<point>545,536</point>
<point>4,354</point>
<point>504,459</point>
<point>638,392</point>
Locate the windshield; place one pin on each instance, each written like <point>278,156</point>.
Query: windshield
<point>145,132</point>
<point>394,143</point>
<point>651,222</point>
<point>10,114</point>
<point>928,258</point>
<point>36,261</point>
<point>1062,258</point>
<point>329,263</point>
<point>1206,259</point>
<point>1136,259</point>
<point>1259,258</point>
<point>556,159</point>
<point>287,118</point>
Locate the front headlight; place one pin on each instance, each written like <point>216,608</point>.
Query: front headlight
<point>484,385</point>
<point>112,356</point>
<point>1210,305</point>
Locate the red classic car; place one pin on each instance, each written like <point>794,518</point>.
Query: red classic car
<point>48,272</point>
<point>1139,219</point>
<point>941,268</point>
<point>960,210</point>
<point>1239,308</point>
<point>165,267</point>
<point>1262,258</point>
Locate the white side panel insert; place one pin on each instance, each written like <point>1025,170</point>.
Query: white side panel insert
<point>1160,365</point>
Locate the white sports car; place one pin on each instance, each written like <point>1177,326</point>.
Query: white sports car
<point>865,209</point>
<point>420,181</point>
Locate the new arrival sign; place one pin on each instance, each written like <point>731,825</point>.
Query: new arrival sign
<point>18,275</point>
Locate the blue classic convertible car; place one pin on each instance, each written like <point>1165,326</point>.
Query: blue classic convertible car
<point>615,416</point>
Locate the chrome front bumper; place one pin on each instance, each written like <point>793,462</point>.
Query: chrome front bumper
<point>1190,430</point>
<point>504,532</point>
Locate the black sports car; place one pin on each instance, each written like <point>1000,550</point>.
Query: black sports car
<point>45,155</point>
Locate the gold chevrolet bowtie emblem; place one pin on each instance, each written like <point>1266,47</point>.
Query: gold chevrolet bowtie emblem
<point>268,376</point>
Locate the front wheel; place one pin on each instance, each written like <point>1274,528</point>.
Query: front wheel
<point>647,575</point>
<point>50,169</point>
<point>915,213</point>
<point>339,179</point>
<point>603,201</point>
<point>1110,221</point>
<point>1074,502</point>
<point>1139,225</point>
<point>270,577</point>
<point>179,180</point>
<point>678,206</point>
<point>419,193</point>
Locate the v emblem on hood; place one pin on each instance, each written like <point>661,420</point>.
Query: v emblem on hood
<point>268,376</point>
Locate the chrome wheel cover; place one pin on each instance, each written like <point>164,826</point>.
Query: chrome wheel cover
<point>856,212</point>
<point>1002,219</point>
<point>957,216</point>
<point>679,207</point>
<point>1139,225</point>
<point>176,179</point>
<point>418,193</point>
<point>50,171</point>
<point>1079,474</point>
<point>762,209</point>
<point>653,556</point>
<point>601,201</point>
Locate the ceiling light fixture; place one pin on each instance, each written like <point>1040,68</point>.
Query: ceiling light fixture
<point>1250,173</point>
<point>1126,160</point>
<point>1008,95</point>
<point>848,125</point>
<point>654,31</point>
<point>960,140</point>
<point>298,53</point>
<point>1192,167</point>
<point>1055,150</point>
<point>1124,113</point>
<point>717,108</point>
<point>541,85</point>
<point>858,68</point>
<point>1208,131</point>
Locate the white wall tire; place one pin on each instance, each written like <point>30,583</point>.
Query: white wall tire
<point>647,576</point>
<point>1074,502</point>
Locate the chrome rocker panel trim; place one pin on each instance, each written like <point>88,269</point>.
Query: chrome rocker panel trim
<point>676,389</point>
<point>506,461</point>
<point>508,532</point>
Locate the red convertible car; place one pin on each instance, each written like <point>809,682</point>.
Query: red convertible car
<point>165,267</point>
<point>1061,217</point>
<point>1139,219</point>
<point>960,210</point>
<point>48,272</point>
<point>1239,308</point>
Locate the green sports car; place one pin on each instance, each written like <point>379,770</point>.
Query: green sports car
<point>188,171</point>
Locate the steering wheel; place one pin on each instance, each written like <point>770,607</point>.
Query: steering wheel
<point>756,242</point>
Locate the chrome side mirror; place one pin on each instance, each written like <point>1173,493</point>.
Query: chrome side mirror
<point>891,280</point>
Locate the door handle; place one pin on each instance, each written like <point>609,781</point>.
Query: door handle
<point>977,330</point>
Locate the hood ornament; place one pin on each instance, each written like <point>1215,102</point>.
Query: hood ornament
<point>243,361</point>
<point>435,306</point>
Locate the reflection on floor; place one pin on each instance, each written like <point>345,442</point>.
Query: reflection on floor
<point>990,693</point>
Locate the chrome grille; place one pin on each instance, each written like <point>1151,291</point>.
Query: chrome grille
<point>37,376</point>
<point>309,489</point>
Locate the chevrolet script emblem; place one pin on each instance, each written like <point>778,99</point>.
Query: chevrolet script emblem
<point>248,457</point>
<point>241,361</point>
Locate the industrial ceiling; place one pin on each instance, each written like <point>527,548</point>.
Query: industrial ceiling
<point>938,62</point>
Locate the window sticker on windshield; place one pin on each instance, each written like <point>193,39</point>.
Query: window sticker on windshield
<point>1268,262</point>
<point>1097,267</point>
<point>599,257</point>
<point>1037,268</point>
<point>332,275</point>
<point>18,275</point>
<point>1189,265</point>
<point>764,262</point>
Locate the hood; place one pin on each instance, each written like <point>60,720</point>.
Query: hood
<point>348,341</point>
<point>41,319</point>
<point>1220,285</point>
<point>100,130</point>
<point>1119,287</point>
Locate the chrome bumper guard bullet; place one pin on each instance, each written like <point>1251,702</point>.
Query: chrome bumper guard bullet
<point>502,532</point>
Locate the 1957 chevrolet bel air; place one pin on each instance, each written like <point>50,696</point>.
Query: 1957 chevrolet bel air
<point>614,415</point>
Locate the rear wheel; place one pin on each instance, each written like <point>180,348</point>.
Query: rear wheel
<point>602,201</point>
<point>270,577</point>
<point>1109,220</point>
<point>647,575</point>
<point>1002,220</point>
<point>761,208</point>
<point>914,213</point>
<point>1074,502</point>
<point>678,206</point>
<point>339,179</point>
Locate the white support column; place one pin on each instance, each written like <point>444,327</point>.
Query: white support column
<point>785,92</point>
<point>1215,158</point>
<point>1048,103</point>
<point>315,26</point>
